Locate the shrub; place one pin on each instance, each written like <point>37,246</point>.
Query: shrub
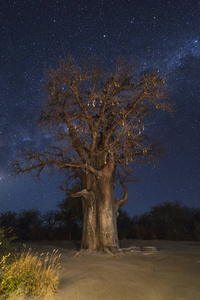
<point>29,224</point>
<point>31,274</point>
<point>8,219</point>
<point>6,237</point>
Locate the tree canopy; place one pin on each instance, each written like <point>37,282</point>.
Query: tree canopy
<point>96,114</point>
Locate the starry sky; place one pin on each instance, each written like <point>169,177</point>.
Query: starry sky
<point>160,34</point>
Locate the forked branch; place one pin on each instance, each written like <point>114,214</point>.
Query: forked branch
<point>122,202</point>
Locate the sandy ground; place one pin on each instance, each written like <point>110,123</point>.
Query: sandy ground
<point>172,273</point>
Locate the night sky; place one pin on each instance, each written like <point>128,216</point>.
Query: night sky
<point>159,34</point>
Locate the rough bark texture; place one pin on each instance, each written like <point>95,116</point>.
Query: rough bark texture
<point>89,238</point>
<point>107,214</point>
<point>100,210</point>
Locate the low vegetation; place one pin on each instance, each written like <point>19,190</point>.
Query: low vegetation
<point>6,249</point>
<point>169,221</point>
<point>27,273</point>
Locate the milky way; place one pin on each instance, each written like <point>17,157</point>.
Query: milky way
<point>158,34</point>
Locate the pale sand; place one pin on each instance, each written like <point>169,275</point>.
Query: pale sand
<point>172,273</point>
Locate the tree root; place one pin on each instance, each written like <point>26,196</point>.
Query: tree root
<point>107,251</point>
<point>88,252</point>
<point>131,249</point>
<point>82,252</point>
<point>115,252</point>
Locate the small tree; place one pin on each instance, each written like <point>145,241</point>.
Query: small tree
<point>70,216</point>
<point>101,122</point>
<point>8,219</point>
<point>170,221</point>
<point>124,224</point>
<point>29,224</point>
<point>49,224</point>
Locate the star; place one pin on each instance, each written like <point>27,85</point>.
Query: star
<point>158,35</point>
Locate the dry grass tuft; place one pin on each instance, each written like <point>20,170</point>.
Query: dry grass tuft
<point>30,274</point>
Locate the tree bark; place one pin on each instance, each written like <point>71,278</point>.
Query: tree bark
<point>107,215</point>
<point>100,210</point>
<point>89,239</point>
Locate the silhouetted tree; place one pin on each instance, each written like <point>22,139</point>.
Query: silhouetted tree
<point>29,224</point>
<point>170,221</point>
<point>124,224</point>
<point>49,224</point>
<point>70,216</point>
<point>49,219</point>
<point>194,222</point>
<point>8,219</point>
<point>100,120</point>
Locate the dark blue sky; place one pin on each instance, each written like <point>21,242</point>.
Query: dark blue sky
<point>161,34</point>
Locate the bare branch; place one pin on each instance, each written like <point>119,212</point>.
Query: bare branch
<point>100,120</point>
<point>122,202</point>
<point>87,195</point>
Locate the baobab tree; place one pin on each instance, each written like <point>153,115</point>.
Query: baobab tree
<point>101,123</point>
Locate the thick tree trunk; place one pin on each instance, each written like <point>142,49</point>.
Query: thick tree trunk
<point>107,215</point>
<point>100,210</point>
<point>89,238</point>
